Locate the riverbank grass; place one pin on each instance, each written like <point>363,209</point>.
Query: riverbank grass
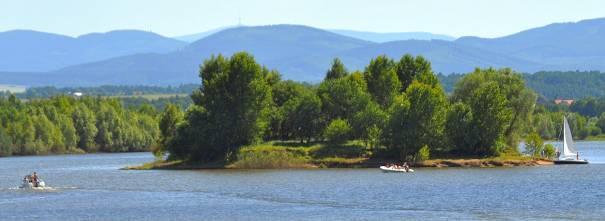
<point>352,154</point>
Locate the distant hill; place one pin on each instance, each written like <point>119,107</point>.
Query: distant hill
<point>197,36</point>
<point>298,52</point>
<point>304,53</point>
<point>392,36</point>
<point>560,46</point>
<point>31,51</point>
<point>446,57</point>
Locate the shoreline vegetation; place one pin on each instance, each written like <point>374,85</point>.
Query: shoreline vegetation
<point>391,112</point>
<point>245,116</point>
<point>354,163</point>
<point>292,155</point>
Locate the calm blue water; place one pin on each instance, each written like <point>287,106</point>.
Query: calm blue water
<point>90,187</point>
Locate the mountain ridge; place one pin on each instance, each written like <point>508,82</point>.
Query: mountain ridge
<point>304,53</point>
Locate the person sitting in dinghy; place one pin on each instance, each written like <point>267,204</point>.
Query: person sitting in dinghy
<point>406,167</point>
<point>34,179</point>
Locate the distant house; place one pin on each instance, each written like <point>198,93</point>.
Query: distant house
<point>564,102</point>
<point>78,94</point>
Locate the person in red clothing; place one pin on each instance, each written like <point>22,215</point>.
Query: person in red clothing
<point>35,179</point>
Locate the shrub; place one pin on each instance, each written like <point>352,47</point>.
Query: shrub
<point>337,131</point>
<point>549,151</point>
<point>595,131</point>
<point>534,145</point>
<point>269,158</point>
<point>424,153</point>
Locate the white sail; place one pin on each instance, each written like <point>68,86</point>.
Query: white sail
<point>568,147</point>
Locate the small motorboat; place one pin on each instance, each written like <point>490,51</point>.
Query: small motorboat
<point>29,183</point>
<point>395,170</point>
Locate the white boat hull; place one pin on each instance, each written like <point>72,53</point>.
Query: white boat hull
<point>28,185</point>
<point>395,170</point>
<point>570,161</point>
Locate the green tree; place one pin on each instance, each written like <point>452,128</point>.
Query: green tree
<point>169,120</point>
<point>234,98</point>
<point>518,101</point>
<point>410,68</point>
<point>490,117</point>
<point>424,153</point>
<point>382,80</point>
<point>368,124</point>
<point>5,144</point>
<point>534,146</point>
<point>343,97</point>
<point>549,151</point>
<point>84,123</point>
<point>412,128</point>
<point>338,131</point>
<point>110,129</point>
<point>337,70</point>
<point>459,128</point>
<point>304,116</point>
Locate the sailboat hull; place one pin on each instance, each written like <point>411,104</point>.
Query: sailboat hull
<point>571,162</point>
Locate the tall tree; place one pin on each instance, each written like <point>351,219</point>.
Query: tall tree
<point>417,119</point>
<point>410,68</point>
<point>519,100</point>
<point>169,120</point>
<point>234,98</point>
<point>490,116</point>
<point>337,70</point>
<point>382,80</point>
<point>6,144</point>
<point>84,123</point>
<point>343,97</point>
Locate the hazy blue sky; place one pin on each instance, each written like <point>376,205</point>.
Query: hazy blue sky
<point>486,18</point>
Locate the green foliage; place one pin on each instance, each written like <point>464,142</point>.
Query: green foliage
<point>424,153</point>
<point>106,90</point>
<point>5,144</point>
<point>269,158</point>
<point>169,120</point>
<point>552,85</point>
<point>233,109</point>
<point>368,124</point>
<point>459,128</point>
<point>84,122</point>
<point>338,131</point>
<point>303,116</point>
<point>534,146</point>
<point>409,129</point>
<point>383,83</point>
<point>337,70</point>
<point>500,105</point>
<point>343,97</point>
<point>568,85</point>
<point>549,151</point>
<point>62,124</point>
<point>410,68</point>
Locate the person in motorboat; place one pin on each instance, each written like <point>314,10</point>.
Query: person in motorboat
<point>406,166</point>
<point>35,179</point>
<point>577,155</point>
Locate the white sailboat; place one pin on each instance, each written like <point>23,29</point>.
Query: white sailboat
<point>569,155</point>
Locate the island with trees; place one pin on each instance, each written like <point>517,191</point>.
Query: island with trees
<point>245,116</point>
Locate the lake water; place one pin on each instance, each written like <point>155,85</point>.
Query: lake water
<point>91,187</point>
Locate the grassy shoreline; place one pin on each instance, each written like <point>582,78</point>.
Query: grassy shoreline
<point>352,163</point>
<point>353,154</point>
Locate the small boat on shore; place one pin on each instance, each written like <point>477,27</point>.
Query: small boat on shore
<point>395,170</point>
<point>569,155</point>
